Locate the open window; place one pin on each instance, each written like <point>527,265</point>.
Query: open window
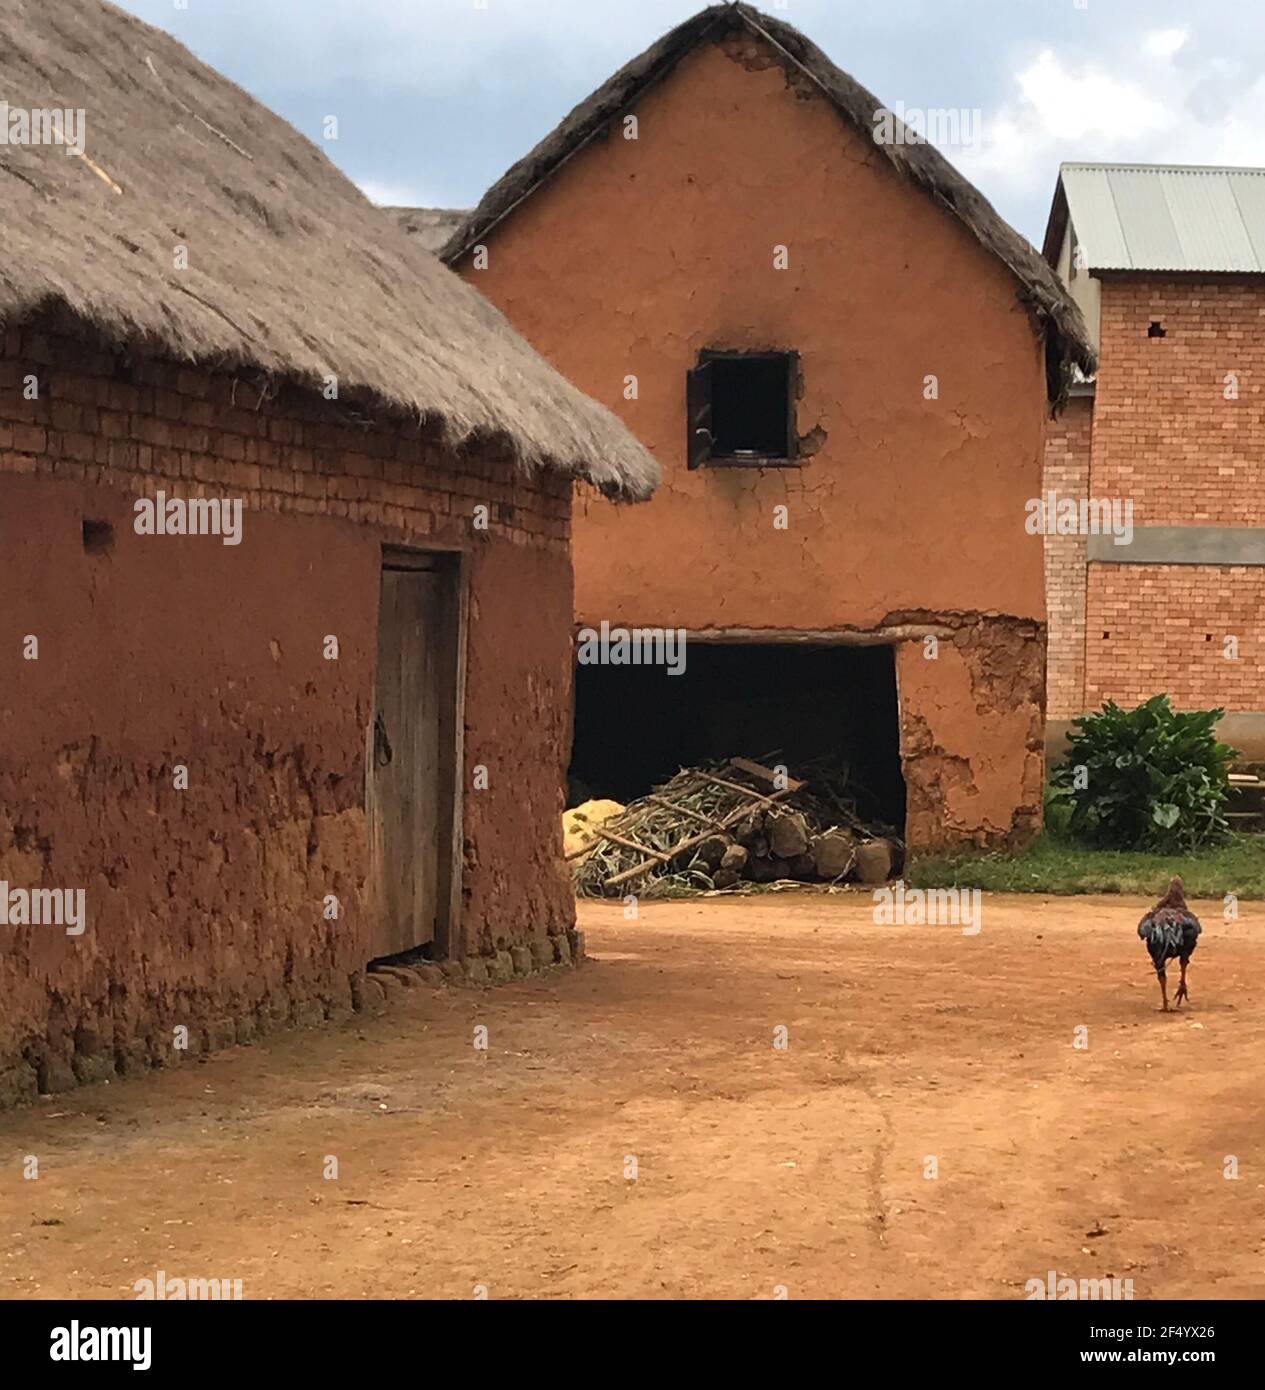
<point>741,409</point>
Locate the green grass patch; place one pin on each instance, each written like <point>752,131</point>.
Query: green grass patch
<point>1055,865</point>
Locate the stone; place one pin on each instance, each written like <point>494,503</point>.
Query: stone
<point>501,968</point>
<point>432,975</point>
<point>726,878</point>
<point>761,869</point>
<point>803,868</point>
<point>562,950</point>
<point>17,1086</point>
<point>309,1013</point>
<point>575,939</point>
<point>832,854</point>
<point>247,1030</point>
<point>788,834</point>
<point>91,1067</point>
<point>453,970</point>
<point>219,1034</point>
<point>712,850</point>
<point>542,953</point>
<point>398,972</point>
<point>522,958</point>
<point>735,858</point>
<point>373,998</point>
<point>59,1075</point>
<point>132,1057</point>
<point>477,971</point>
<point>874,861</point>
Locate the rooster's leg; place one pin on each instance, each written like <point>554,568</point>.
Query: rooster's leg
<point>1163,990</point>
<point>1182,991</point>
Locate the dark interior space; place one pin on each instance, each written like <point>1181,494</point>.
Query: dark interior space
<point>635,726</point>
<point>751,405</point>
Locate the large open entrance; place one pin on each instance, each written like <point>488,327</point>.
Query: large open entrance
<point>635,726</point>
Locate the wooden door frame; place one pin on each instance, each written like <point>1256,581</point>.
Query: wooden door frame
<point>448,938</point>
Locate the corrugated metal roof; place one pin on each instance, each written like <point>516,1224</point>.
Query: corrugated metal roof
<point>1167,217</point>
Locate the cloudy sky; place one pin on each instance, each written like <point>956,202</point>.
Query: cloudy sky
<point>436,98</point>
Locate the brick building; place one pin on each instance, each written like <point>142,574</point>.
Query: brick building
<point>1168,266</point>
<point>844,360</point>
<point>285,590</point>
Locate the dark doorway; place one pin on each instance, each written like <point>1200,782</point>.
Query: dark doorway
<point>635,726</point>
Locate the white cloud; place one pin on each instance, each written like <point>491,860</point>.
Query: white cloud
<point>1062,104</point>
<point>1163,43</point>
<point>395,195</point>
<point>1154,111</point>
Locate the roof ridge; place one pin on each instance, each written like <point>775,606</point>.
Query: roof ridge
<point>1057,316</point>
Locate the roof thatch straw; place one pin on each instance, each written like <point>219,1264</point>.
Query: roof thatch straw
<point>431,226</point>
<point>291,270</point>
<point>1058,318</point>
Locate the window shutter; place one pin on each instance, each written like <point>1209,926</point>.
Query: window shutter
<point>698,412</point>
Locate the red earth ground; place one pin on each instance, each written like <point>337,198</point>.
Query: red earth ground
<point>910,1051</point>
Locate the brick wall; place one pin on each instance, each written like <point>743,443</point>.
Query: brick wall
<point>141,426</point>
<point>205,904</point>
<point>1168,434</point>
<point>1067,444</point>
<point>1164,432</point>
<point>1155,628</point>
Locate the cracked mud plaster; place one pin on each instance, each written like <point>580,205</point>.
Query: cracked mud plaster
<point>971,735</point>
<point>900,501</point>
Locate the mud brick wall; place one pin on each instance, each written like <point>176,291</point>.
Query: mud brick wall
<point>1162,628</point>
<point>1067,446</point>
<point>204,906</point>
<point>972,734</point>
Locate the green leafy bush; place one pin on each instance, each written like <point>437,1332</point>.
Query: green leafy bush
<point>1149,778</point>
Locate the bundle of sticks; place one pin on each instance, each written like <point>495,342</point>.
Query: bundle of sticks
<point>733,825</point>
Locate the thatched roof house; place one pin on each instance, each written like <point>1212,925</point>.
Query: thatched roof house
<point>288,267</point>
<point>845,362</point>
<point>1057,315</point>
<point>294,694</point>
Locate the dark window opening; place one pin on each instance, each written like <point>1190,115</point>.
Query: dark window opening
<point>1157,330</point>
<point>635,726</point>
<point>742,408</point>
<point>98,537</point>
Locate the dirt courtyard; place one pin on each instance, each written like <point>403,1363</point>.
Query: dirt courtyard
<point>807,1169</point>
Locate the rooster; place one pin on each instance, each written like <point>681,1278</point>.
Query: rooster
<point>1170,931</point>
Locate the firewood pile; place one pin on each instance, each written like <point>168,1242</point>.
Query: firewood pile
<point>737,825</point>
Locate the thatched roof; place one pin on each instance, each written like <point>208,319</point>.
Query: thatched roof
<point>431,226</point>
<point>291,270</point>
<point>1057,316</point>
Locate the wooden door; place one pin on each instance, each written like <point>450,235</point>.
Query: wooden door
<point>412,756</point>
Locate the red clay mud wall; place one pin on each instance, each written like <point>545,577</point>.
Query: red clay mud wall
<point>638,253</point>
<point>204,906</point>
